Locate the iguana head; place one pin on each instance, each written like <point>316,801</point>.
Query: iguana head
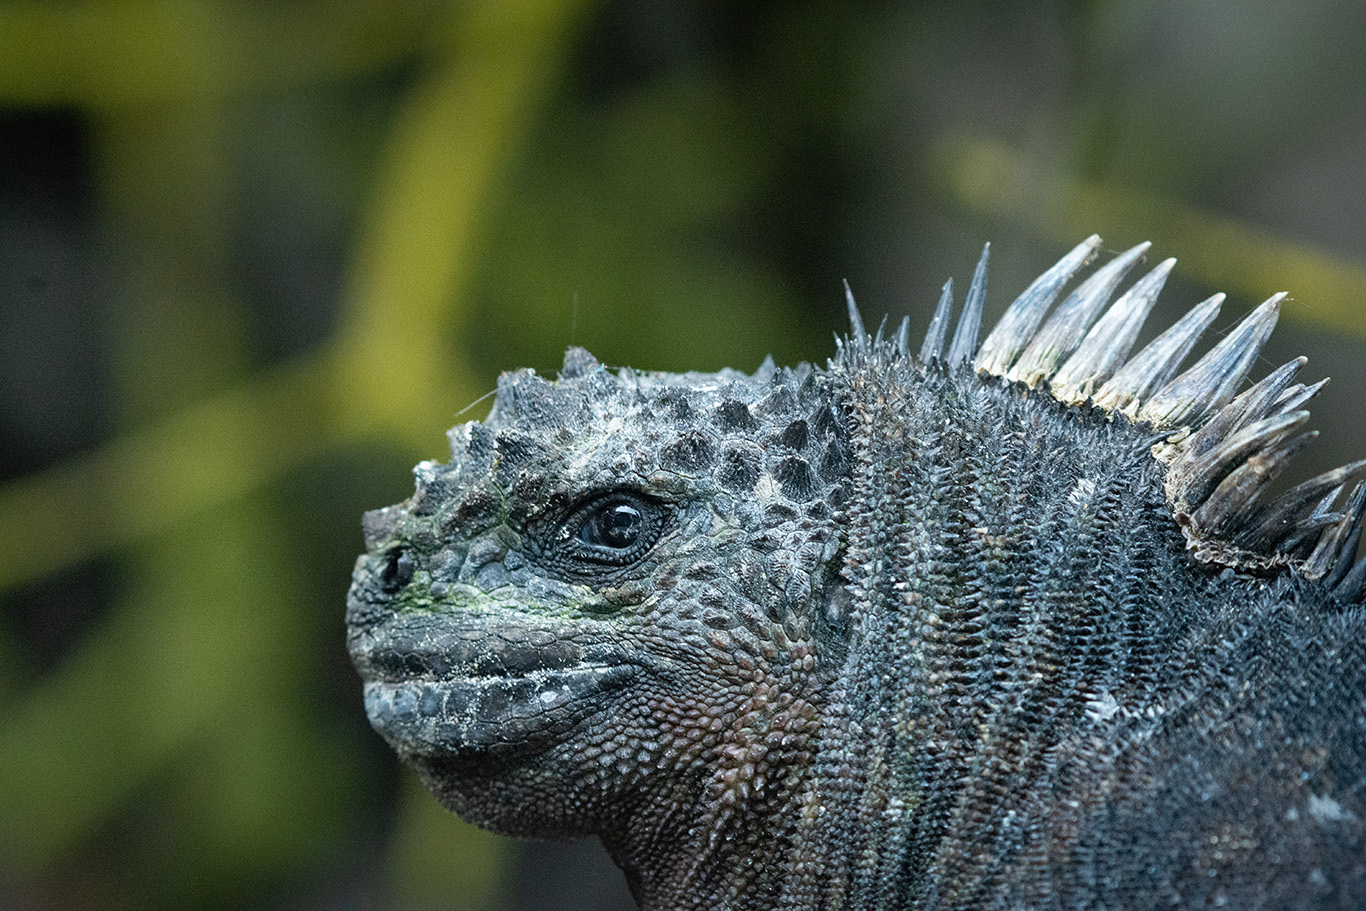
<point>621,581</point>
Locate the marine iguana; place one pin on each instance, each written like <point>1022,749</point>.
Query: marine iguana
<point>1014,624</point>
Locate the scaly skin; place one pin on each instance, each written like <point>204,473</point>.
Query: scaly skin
<point>882,635</point>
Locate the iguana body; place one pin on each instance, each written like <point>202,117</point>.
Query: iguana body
<point>903,632</point>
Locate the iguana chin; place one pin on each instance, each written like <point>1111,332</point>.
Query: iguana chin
<point>1002,625</point>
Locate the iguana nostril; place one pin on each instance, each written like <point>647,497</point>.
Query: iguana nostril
<point>398,571</point>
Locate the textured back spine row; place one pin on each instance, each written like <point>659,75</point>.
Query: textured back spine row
<point>1222,448</point>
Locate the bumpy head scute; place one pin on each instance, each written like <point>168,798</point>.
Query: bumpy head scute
<point>1223,449</point>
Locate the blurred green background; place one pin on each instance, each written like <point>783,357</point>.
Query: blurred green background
<point>256,257</point>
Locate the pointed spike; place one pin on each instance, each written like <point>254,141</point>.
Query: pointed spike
<point>1277,521</point>
<point>1340,545</point>
<point>1108,343</point>
<point>578,362</point>
<point>933,346</point>
<point>1301,539</point>
<point>1294,397</point>
<point>1288,393</point>
<point>1064,330</point>
<point>964,342</point>
<point>857,334</point>
<point>1332,556</point>
<point>1260,399</point>
<point>1250,406</point>
<point>1323,514</point>
<point>1324,508</point>
<point>1278,518</point>
<point>1192,482</point>
<point>1298,542</point>
<point>1153,366</point>
<point>1014,330</point>
<point>1212,381</point>
<point>1228,506</point>
<point>881,328</point>
<point>1350,589</point>
<point>902,338</point>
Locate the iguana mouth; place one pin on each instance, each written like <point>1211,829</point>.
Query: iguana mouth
<point>440,690</point>
<point>441,652</point>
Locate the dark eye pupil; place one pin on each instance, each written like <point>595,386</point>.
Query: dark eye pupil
<point>617,525</point>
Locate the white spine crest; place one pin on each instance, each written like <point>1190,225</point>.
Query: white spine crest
<point>1224,448</point>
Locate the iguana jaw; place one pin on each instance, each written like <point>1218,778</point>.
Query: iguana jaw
<point>439,687</point>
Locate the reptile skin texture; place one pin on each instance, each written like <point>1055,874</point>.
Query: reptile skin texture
<point>1013,622</point>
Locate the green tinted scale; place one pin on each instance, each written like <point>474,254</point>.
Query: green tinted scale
<point>1012,622</point>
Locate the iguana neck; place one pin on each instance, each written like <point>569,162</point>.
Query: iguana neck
<point>723,839</point>
<point>1002,571</point>
<point>1015,581</point>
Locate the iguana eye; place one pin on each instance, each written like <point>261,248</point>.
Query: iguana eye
<point>607,531</point>
<point>616,524</point>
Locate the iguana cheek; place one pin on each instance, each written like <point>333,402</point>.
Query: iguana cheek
<point>745,715</point>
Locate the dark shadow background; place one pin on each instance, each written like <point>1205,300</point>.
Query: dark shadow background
<point>255,258</point>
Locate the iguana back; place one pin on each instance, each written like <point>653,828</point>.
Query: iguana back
<point>1002,625</point>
